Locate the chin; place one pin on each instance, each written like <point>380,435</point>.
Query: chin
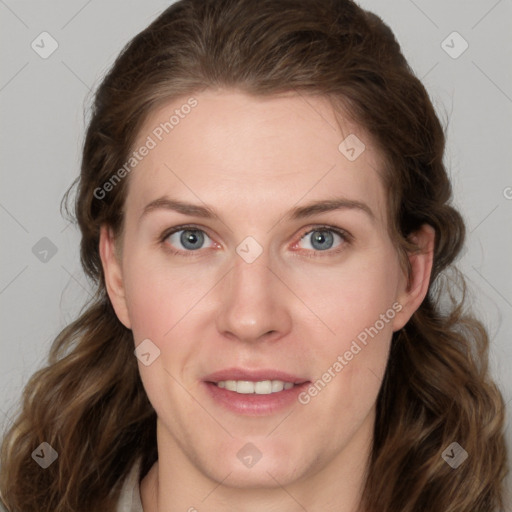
<point>260,477</point>
<point>253,468</point>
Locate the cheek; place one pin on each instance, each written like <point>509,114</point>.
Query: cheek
<point>359,308</point>
<point>165,306</point>
<point>157,297</point>
<point>158,304</point>
<point>355,297</point>
<point>148,313</point>
<point>348,381</point>
<point>368,326</point>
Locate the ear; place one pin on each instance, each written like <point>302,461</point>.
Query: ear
<point>113,275</point>
<point>411,294</point>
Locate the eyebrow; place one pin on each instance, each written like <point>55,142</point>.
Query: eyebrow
<point>297,213</point>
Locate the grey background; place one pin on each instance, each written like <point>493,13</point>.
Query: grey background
<point>42,126</point>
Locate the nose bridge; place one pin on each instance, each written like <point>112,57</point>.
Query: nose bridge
<point>252,302</point>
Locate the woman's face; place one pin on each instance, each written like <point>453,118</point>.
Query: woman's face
<point>268,288</point>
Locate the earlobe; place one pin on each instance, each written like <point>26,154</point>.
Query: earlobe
<point>113,275</point>
<point>414,292</point>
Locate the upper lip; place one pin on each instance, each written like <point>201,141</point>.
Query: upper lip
<point>253,375</point>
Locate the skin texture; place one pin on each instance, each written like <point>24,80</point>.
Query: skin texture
<point>252,159</point>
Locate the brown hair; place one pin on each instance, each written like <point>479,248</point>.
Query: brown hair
<point>89,404</point>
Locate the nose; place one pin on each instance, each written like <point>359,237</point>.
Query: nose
<point>254,303</point>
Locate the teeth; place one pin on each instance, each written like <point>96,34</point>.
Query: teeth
<point>262,387</point>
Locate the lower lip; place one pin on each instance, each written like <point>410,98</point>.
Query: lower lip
<point>252,404</point>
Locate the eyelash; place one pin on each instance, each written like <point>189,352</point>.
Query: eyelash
<point>344,235</point>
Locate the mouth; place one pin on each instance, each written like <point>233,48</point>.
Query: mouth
<point>261,387</point>
<point>254,392</point>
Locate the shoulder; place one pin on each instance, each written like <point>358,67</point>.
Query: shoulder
<point>129,498</point>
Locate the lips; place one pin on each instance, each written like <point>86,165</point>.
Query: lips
<point>254,392</point>
<point>239,374</point>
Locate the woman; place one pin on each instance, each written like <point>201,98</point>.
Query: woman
<point>266,214</point>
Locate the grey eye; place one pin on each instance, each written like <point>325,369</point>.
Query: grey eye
<point>190,239</point>
<point>321,239</point>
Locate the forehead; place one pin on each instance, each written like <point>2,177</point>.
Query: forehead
<point>237,151</point>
